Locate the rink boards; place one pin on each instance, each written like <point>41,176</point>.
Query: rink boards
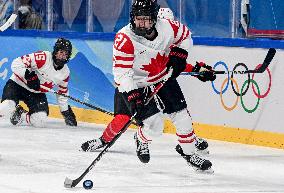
<point>216,132</point>
<point>217,111</point>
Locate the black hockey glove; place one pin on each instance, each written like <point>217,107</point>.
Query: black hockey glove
<point>32,80</point>
<point>135,100</point>
<point>69,116</point>
<point>207,74</point>
<point>177,60</point>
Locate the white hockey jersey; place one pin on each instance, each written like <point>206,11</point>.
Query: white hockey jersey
<point>41,62</point>
<point>138,62</point>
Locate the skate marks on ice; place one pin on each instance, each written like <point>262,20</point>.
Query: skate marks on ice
<point>39,159</point>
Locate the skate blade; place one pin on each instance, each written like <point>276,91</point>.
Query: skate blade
<point>68,183</point>
<point>80,150</point>
<point>90,150</point>
<point>208,171</point>
<point>202,152</point>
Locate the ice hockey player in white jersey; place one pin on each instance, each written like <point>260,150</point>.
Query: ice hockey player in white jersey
<point>143,53</point>
<point>32,76</point>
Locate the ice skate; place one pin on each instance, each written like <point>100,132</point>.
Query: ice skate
<point>201,146</point>
<point>16,118</point>
<point>142,150</point>
<point>93,145</point>
<point>196,162</point>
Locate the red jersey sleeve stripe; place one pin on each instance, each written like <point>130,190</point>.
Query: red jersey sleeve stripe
<point>63,91</point>
<point>122,66</point>
<point>174,27</point>
<point>66,79</point>
<point>62,87</point>
<point>181,37</point>
<point>124,58</point>
<point>187,34</point>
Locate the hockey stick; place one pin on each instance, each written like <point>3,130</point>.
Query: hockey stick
<point>269,56</point>
<point>68,183</point>
<point>81,102</point>
<point>9,22</point>
<point>156,90</point>
<point>159,86</point>
<point>77,100</point>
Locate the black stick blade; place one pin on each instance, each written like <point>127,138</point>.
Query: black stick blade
<point>269,56</point>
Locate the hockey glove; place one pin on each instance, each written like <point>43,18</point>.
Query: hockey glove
<point>177,60</point>
<point>206,72</point>
<point>32,80</point>
<point>135,100</point>
<point>69,116</point>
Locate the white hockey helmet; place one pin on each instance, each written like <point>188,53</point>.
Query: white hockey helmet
<point>166,13</point>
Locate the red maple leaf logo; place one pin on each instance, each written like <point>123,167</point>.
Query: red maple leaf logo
<point>156,65</point>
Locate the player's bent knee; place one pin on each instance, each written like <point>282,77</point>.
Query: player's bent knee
<point>38,119</point>
<point>7,107</point>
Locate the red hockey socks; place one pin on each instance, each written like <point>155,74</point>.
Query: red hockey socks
<point>114,127</point>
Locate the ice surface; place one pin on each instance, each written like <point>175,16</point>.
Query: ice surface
<point>37,160</point>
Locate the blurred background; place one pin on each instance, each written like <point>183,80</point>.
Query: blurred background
<point>205,18</point>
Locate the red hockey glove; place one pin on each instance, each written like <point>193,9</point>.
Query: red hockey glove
<point>32,80</point>
<point>206,72</point>
<point>69,116</point>
<point>177,60</point>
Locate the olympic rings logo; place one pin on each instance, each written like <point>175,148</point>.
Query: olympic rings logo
<point>240,93</point>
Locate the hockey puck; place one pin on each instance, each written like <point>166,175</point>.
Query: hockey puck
<point>88,184</point>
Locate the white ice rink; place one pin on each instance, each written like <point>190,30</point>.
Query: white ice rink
<point>37,160</point>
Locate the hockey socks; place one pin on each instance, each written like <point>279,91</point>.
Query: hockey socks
<point>114,127</point>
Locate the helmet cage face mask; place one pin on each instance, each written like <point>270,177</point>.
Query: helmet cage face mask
<point>144,8</point>
<point>64,45</point>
